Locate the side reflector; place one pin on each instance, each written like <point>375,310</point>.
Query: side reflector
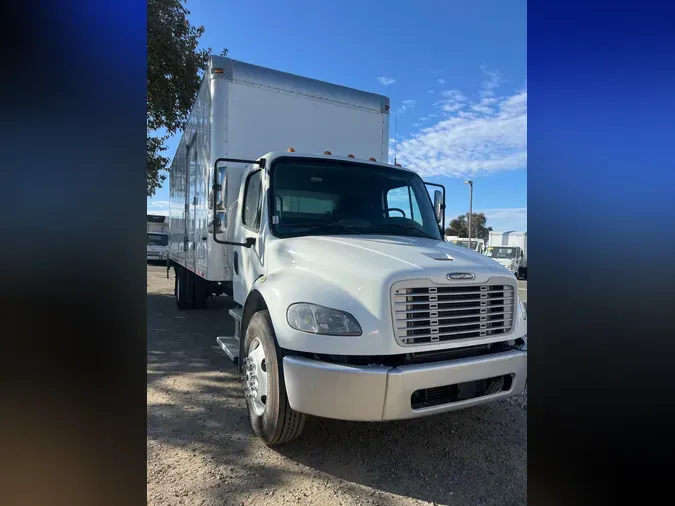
<point>216,71</point>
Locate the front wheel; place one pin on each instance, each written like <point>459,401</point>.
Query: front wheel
<point>272,418</point>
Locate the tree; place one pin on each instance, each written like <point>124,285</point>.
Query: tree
<point>175,69</point>
<point>460,226</point>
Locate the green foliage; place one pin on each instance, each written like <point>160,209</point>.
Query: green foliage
<point>460,226</point>
<point>175,69</point>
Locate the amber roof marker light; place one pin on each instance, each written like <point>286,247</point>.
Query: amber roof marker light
<point>291,150</point>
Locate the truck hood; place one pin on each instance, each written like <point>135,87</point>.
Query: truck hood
<point>378,258</point>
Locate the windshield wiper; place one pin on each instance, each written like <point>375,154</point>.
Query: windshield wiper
<point>411,227</point>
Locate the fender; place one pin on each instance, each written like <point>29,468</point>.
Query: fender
<point>277,291</point>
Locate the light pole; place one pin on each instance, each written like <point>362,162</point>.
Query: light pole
<point>470,183</point>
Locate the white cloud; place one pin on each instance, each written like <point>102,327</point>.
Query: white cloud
<point>158,207</point>
<point>492,81</point>
<point>441,80</point>
<point>428,117</point>
<point>405,105</point>
<point>506,219</point>
<point>431,92</point>
<point>473,137</point>
<point>386,81</point>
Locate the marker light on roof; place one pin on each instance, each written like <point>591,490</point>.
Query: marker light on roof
<point>350,155</point>
<point>327,153</point>
<point>291,150</point>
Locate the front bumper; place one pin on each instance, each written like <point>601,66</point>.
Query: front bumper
<point>378,393</point>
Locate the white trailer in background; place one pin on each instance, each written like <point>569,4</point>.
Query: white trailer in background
<point>348,303</point>
<point>510,250</point>
<point>158,237</point>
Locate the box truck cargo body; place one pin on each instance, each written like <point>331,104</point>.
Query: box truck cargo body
<point>244,111</point>
<point>349,304</point>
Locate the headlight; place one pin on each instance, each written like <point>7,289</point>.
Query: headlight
<point>522,312</point>
<point>322,320</point>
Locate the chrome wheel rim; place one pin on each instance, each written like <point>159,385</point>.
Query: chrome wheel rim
<point>255,377</point>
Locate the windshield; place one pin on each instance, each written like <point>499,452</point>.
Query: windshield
<point>499,252</point>
<point>158,240</point>
<point>323,197</point>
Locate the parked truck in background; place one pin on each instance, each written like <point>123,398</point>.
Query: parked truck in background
<point>349,303</point>
<point>510,250</point>
<point>477,245</point>
<point>158,237</point>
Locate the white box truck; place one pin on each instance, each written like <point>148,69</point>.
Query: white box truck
<point>349,303</point>
<point>158,238</point>
<point>510,250</point>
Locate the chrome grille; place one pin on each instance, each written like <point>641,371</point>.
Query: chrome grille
<point>436,314</point>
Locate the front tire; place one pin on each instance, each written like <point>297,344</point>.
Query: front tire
<point>270,414</point>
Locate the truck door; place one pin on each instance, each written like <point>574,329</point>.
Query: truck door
<point>247,262</point>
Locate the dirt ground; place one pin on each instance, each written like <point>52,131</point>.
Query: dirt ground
<point>200,450</point>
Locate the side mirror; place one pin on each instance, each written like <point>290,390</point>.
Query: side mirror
<point>438,205</point>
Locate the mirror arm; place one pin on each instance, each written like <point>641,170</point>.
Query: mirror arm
<point>250,241</point>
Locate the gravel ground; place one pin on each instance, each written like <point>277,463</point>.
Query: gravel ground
<point>200,450</point>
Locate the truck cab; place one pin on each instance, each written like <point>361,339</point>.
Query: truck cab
<point>158,238</point>
<point>350,303</point>
<point>477,245</point>
<point>508,256</point>
<point>510,250</point>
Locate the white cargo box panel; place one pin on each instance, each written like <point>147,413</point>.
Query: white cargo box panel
<point>246,111</point>
<point>518,239</point>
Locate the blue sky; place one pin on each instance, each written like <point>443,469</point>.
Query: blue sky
<point>456,71</point>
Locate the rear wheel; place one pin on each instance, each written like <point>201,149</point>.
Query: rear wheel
<point>199,289</point>
<point>271,416</point>
<point>183,289</point>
